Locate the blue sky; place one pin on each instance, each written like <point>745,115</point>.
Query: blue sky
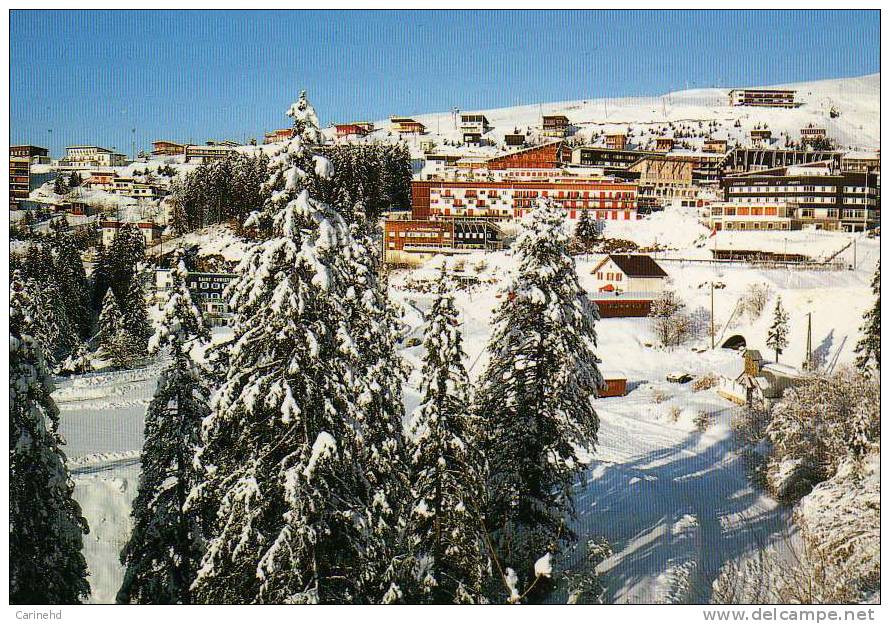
<point>92,77</point>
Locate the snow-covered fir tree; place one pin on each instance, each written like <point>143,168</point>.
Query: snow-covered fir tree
<point>377,385</point>
<point>294,455</point>
<point>46,528</point>
<point>588,230</point>
<point>166,544</point>
<point>71,278</point>
<point>60,185</point>
<point>446,462</point>
<point>49,323</point>
<point>111,337</point>
<point>135,323</point>
<point>868,349</point>
<point>777,335</point>
<point>536,399</point>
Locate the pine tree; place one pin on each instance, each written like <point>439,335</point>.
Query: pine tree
<point>165,547</point>
<point>111,337</point>
<point>777,336</point>
<point>446,464</point>
<point>74,288</point>
<point>537,399</point>
<point>588,231</point>
<point>49,323</point>
<point>868,348</point>
<point>298,514</point>
<point>46,528</point>
<point>60,186</point>
<point>135,323</point>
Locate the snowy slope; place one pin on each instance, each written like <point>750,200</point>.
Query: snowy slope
<point>857,99</point>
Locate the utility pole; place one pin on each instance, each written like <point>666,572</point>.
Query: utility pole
<point>808,363</point>
<point>712,315</point>
<point>854,252</point>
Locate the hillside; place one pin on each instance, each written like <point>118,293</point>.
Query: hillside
<point>856,99</point>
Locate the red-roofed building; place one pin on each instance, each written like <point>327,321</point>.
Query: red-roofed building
<point>355,130</point>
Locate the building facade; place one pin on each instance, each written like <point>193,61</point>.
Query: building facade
<point>207,153</point>
<point>781,98</point>
<point>78,157</point>
<point>605,199</point>
<point>824,198</point>
<point>406,125</point>
<point>637,273</point>
<point>555,126</point>
<point>167,148</point>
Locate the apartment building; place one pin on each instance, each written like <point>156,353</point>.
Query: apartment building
<point>616,141</point>
<point>604,198</point>
<point>781,98</point>
<point>825,198</point>
<point>761,137</point>
<point>607,158</point>
<point>79,157</point>
<point>545,156</point>
<point>412,241</point>
<point>863,162</point>
<point>167,148</point>
<point>124,186</point>
<point>665,179</point>
<point>735,215</point>
<point>745,160</point>
<point>207,153</point>
<point>35,155</point>
<point>19,180</point>
<point>664,144</point>
<point>474,122</point>
<point>555,126</point>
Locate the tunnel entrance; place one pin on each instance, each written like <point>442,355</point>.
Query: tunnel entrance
<point>736,342</point>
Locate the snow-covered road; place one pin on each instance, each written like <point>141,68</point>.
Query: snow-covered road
<point>674,503</point>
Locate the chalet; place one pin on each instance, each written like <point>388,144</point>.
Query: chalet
<point>780,98</point>
<point>406,125</point>
<point>636,273</point>
<point>167,148</point>
<point>761,137</point>
<point>514,139</point>
<point>353,130</point>
<point>150,231</point>
<point>278,136</point>
<point>474,139</point>
<point>474,123</point>
<point>664,144</point>
<point>616,141</point>
<point>207,153</point>
<point>555,126</point>
<point>715,146</point>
